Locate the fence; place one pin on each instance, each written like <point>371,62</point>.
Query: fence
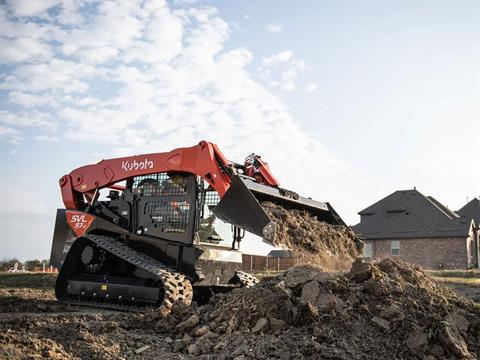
<point>266,263</point>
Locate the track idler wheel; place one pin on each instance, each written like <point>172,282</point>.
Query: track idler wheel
<point>177,289</point>
<point>93,258</point>
<point>245,279</point>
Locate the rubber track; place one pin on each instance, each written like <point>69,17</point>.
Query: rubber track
<point>176,286</point>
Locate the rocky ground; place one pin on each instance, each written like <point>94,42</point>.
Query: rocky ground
<point>346,309</point>
<point>33,325</point>
<point>388,309</point>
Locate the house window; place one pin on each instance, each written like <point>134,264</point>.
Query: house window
<point>367,250</point>
<point>395,247</point>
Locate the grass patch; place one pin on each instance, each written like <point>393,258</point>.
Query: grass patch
<point>473,273</point>
<point>470,282</point>
<point>30,280</point>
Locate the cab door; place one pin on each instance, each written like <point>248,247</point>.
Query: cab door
<point>165,204</point>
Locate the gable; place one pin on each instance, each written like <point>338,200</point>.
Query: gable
<point>471,211</point>
<point>409,214</point>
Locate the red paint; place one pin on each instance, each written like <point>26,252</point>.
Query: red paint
<point>261,172</point>
<point>79,221</point>
<point>205,160</point>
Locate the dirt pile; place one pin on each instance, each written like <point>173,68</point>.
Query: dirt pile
<point>314,241</point>
<point>388,309</point>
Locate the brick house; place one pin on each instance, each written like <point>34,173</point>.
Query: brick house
<point>417,229</point>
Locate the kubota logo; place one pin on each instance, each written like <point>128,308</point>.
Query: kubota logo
<point>135,165</point>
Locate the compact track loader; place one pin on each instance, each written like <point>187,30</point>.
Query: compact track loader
<point>170,220</point>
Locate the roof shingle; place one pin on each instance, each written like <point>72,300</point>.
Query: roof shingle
<point>410,214</point>
<point>471,211</point>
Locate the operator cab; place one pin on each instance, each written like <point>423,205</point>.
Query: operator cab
<point>173,206</point>
<point>164,205</point>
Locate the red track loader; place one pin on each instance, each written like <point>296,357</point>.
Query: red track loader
<point>171,220</point>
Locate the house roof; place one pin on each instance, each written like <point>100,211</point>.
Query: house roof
<point>471,211</point>
<point>410,214</point>
<point>282,253</point>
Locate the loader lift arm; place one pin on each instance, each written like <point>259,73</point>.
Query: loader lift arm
<point>204,159</point>
<point>240,187</point>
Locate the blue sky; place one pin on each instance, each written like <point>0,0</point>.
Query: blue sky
<point>348,101</point>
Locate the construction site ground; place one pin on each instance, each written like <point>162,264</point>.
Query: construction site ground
<point>33,325</point>
<point>464,282</point>
<point>274,320</point>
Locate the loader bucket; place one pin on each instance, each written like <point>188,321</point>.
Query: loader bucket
<point>240,206</point>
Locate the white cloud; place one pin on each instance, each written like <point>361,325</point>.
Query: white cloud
<point>144,77</point>
<point>12,135</point>
<point>281,69</point>
<point>279,58</point>
<point>31,7</point>
<point>274,28</point>
<point>311,87</point>
<point>28,119</point>
<point>34,34</point>
<point>115,26</point>
<point>29,100</point>
<point>56,74</point>
<point>23,49</point>
<point>70,13</point>
<point>5,130</point>
<point>97,55</point>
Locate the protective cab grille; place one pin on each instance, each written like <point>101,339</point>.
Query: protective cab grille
<point>161,184</point>
<point>169,216</point>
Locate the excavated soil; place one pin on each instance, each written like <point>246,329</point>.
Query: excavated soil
<point>383,310</point>
<point>313,241</point>
<point>387,309</point>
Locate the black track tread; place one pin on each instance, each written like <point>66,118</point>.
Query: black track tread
<point>176,286</point>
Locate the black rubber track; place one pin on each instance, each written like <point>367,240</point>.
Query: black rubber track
<point>176,287</point>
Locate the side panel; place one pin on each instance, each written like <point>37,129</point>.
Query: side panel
<point>70,224</point>
<point>63,238</point>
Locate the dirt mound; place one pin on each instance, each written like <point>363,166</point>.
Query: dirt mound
<point>388,309</point>
<point>314,241</point>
